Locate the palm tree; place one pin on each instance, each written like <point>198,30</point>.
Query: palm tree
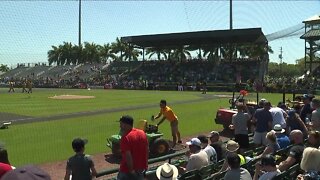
<point>4,68</point>
<point>76,53</point>
<point>156,51</point>
<point>228,52</point>
<point>197,49</point>
<point>67,55</point>
<point>181,53</point>
<point>118,47</point>
<point>106,52</point>
<point>130,53</point>
<point>211,53</point>
<point>54,55</point>
<point>91,52</point>
<point>257,50</point>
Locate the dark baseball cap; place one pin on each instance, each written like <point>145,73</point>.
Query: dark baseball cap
<point>126,119</point>
<point>29,172</point>
<point>308,96</point>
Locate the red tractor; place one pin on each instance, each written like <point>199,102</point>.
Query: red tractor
<point>224,115</point>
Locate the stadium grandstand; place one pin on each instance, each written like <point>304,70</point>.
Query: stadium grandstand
<point>231,53</point>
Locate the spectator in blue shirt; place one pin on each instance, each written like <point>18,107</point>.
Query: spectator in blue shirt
<point>282,139</point>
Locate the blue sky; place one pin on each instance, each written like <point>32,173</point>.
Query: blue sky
<point>29,28</point>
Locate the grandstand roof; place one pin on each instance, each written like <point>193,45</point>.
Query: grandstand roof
<point>236,36</point>
<point>313,20</point>
<point>313,34</point>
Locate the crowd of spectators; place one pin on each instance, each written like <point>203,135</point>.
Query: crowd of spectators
<point>185,75</point>
<point>301,150</point>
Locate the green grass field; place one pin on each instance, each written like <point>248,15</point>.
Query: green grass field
<point>50,141</point>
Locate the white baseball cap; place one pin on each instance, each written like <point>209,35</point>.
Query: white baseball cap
<point>194,141</point>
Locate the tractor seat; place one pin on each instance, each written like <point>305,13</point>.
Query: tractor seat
<point>142,125</point>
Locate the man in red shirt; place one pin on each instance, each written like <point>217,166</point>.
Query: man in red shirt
<point>4,168</point>
<point>134,151</point>
<point>168,114</point>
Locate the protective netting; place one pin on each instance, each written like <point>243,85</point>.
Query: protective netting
<point>293,31</point>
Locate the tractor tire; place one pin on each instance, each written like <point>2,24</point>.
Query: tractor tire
<point>159,147</point>
<point>116,149</point>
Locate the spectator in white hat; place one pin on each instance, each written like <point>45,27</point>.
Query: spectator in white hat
<point>231,147</point>
<point>167,172</point>
<point>198,158</point>
<point>282,139</point>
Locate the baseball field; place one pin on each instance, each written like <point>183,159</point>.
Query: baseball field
<point>45,122</point>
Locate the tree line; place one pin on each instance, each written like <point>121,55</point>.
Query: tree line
<point>68,53</point>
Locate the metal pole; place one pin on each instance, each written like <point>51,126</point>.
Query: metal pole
<point>231,15</point>
<point>79,43</point>
<point>79,23</point>
<point>230,54</point>
<point>280,57</point>
<point>143,54</point>
<point>311,42</point>
<point>305,48</point>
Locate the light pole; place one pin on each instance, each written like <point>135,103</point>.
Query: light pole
<point>79,23</point>
<point>280,57</point>
<point>79,43</point>
<point>231,15</point>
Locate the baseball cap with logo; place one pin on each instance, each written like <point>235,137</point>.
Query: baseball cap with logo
<point>308,96</point>
<point>194,141</point>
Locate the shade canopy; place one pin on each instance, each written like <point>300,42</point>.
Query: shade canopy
<point>198,38</point>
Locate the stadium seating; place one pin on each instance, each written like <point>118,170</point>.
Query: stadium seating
<point>289,174</point>
<point>190,175</point>
<point>206,171</point>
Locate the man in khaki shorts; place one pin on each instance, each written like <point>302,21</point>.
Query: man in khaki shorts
<point>263,120</point>
<point>168,114</point>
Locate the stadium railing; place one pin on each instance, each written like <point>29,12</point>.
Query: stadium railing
<point>168,157</point>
